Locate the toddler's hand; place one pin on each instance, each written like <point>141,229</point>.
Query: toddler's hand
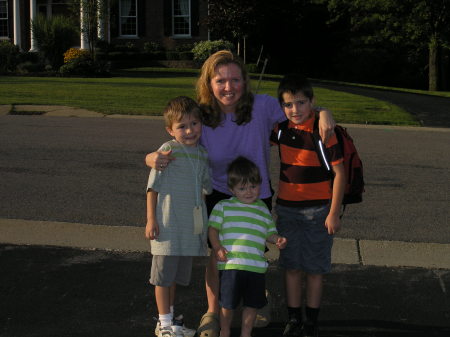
<point>221,253</point>
<point>281,242</point>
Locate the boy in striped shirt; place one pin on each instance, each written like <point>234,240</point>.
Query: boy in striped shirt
<point>308,204</point>
<point>238,230</point>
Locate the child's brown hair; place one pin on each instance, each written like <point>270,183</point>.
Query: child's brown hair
<point>179,107</point>
<point>243,170</point>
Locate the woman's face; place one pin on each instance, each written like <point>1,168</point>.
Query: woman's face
<point>228,86</point>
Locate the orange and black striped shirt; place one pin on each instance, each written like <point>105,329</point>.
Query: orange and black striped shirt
<point>303,181</point>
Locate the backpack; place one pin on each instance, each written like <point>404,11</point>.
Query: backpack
<point>353,167</point>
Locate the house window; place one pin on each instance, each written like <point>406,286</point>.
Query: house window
<point>128,18</point>
<point>3,18</point>
<point>181,18</point>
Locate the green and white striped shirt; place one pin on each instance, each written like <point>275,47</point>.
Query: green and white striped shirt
<point>243,230</point>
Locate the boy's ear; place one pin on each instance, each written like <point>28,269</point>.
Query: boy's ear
<point>169,131</point>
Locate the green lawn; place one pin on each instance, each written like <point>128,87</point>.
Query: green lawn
<point>147,92</point>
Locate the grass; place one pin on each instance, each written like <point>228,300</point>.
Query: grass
<point>146,91</point>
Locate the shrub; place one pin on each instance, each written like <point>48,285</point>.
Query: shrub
<point>151,47</point>
<point>53,37</point>
<point>184,47</point>
<point>28,67</point>
<point>203,49</point>
<point>252,68</point>
<point>172,55</point>
<point>9,56</point>
<point>74,53</point>
<point>85,66</point>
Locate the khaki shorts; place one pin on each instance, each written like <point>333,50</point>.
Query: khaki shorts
<point>167,270</point>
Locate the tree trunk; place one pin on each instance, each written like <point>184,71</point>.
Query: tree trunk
<point>433,65</point>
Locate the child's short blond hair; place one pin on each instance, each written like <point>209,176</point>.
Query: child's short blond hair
<point>179,107</point>
<point>243,170</point>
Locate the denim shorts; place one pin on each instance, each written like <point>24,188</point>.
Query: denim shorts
<point>308,242</point>
<point>237,285</point>
<point>167,270</point>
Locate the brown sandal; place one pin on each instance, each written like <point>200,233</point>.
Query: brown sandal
<point>209,325</point>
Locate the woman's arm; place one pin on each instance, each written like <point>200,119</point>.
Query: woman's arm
<point>158,160</point>
<point>326,124</point>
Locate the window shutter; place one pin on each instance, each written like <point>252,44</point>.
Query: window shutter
<point>141,18</point>
<point>114,19</point>
<point>168,17</point>
<point>195,19</point>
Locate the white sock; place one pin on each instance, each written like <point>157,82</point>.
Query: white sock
<point>165,320</point>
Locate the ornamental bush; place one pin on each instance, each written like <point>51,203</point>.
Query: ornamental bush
<point>86,67</point>
<point>203,49</point>
<point>74,53</point>
<point>9,55</point>
<point>53,37</point>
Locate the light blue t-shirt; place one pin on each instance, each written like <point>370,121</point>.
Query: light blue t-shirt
<point>180,187</point>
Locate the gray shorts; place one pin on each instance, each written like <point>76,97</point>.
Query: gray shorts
<point>308,242</point>
<point>167,270</point>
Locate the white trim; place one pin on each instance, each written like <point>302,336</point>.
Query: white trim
<point>17,32</point>
<point>33,14</point>
<point>4,37</point>
<point>84,42</point>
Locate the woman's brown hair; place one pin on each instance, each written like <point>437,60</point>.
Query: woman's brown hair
<point>212,114</point>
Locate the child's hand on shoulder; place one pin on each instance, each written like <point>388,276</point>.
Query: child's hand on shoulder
<point>152,230</point>
<point>221,253</point>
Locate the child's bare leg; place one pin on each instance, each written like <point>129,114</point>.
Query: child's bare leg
<point>212,284</point>
<point>293,280</point>
<point>248,320</point>
<point>314,286</point>
<point>226,317</point>
<point>162,295</point>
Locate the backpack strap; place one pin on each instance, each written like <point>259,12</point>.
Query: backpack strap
<point>323,155</point>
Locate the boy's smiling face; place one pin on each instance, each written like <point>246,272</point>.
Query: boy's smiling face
<point>186,131</point>
<point>298,108</point>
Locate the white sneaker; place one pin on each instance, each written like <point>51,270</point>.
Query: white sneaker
<point>178,323</point>
<point>166,332</point>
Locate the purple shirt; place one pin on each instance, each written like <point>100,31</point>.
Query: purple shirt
<point>251,140</point>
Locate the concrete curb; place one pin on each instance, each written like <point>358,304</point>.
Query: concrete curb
<point>131,239</point>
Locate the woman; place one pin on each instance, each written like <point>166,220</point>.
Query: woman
<point>236,122</point>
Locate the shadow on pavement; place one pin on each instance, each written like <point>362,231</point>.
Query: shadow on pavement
<point>50,291</point>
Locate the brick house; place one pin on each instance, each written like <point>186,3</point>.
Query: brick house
<point>168,22</point>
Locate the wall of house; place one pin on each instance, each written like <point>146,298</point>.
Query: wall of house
<point>157,25</point>
<point>154,23</point>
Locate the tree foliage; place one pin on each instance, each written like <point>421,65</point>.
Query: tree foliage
<point>95,13</point>
<point>412,24</point>
<point>232,19</point>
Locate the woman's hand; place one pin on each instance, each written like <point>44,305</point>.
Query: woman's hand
<point>158,160</point>
<point>326,124</point>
